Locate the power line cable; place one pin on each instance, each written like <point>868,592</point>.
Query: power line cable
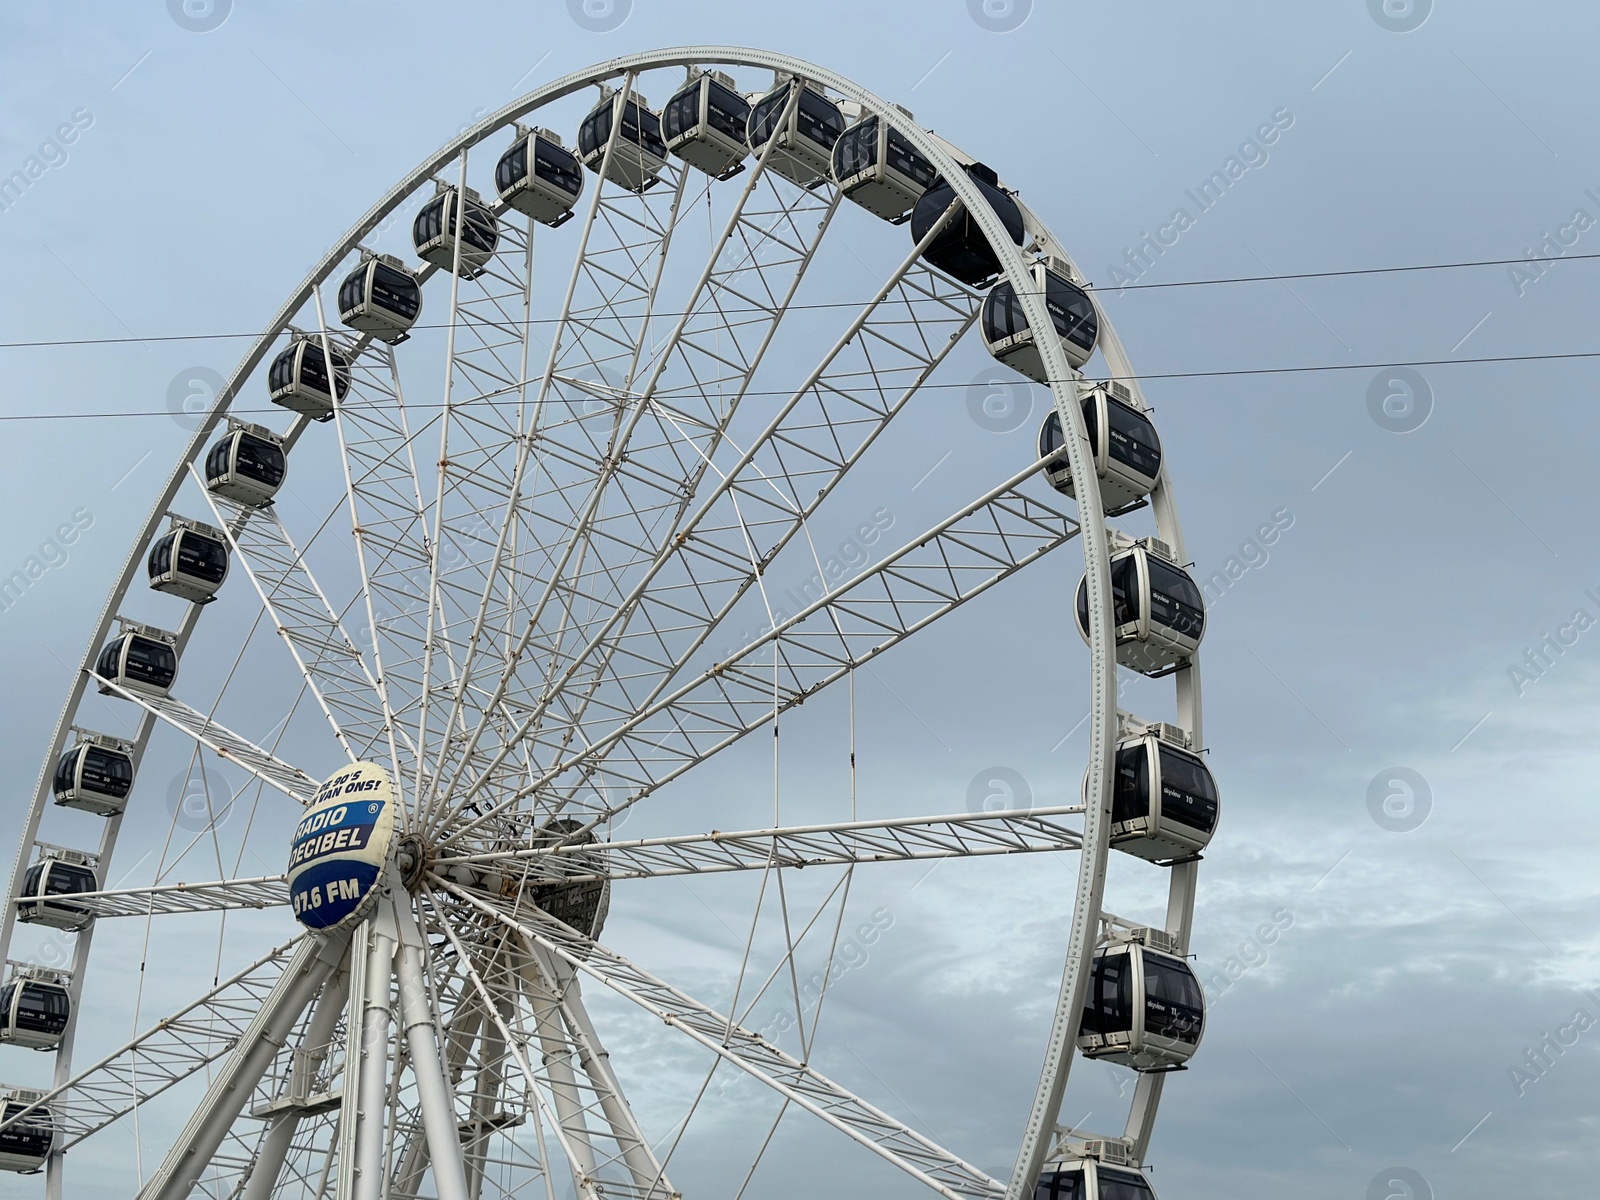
<point>1445,266</point>
<point>1217,374</point>
<point>1127,287</point>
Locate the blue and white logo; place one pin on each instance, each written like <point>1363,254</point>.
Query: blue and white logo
<point>340,847</point>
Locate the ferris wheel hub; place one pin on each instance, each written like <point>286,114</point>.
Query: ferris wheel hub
<point>412,858</point>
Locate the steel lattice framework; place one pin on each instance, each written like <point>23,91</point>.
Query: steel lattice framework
<point>540,525</point>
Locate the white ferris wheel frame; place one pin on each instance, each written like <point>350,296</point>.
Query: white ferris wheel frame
<point>908,839</point>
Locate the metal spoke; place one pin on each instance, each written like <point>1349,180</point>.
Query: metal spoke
<point>570,1099</point>
<point>919,1157</point>
<point>290,780</point>
<point>437,635</point>
<point>902,839</point>
<point>781,479</point>
<point>329,661</point>
<point>703,568</point>
<point>610,305</point>
<point>646,480</point>
<point>961,557</point>
<point>268,891</point>
<point>390,535</point>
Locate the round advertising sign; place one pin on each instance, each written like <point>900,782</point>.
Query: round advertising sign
<point>340,847</point>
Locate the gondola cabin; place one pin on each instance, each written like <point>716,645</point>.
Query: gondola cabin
<point>1163,799</point>
<point>189,561</point>
<point>247,465</point>
<point>960,248</point>
<point>539,177</point>
<point>1122,441</point>
<point>705,122</point>
<point>1145,1009</point>
<point>95,775</point>
<point>299,379</point>
<point>141,658</point>
<point>434,230</point>
<point>1012,341</point>
<point>27,1130</point>
<point>34,1006</point>
<point>1090,1179</point>
<point>48,885</point>
<point>878,169</point>
<point>381,297</point>
<point>802,131</point>
<point>637,154</point>
<point>1158,611</point>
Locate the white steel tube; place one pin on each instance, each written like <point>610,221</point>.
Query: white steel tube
<point>274,1149</point>
<point>486,1090</point>
<point>458,1043</point>
<point>373,1070</point>
<point>433,1090</point>
<point>558,1066</point>
<point>313,962</point>
<point>642,1165</point>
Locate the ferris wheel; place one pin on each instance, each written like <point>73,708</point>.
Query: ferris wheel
<point>501,572</point>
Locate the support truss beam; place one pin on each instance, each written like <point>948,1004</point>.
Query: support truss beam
<point>627,493</point>
<point>290,780</point>
<point>165,1055</point>
<point>165,899</point>
<point>697,568</point>
<point>903,839</point>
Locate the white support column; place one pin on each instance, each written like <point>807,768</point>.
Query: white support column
<point>558,1066</point>
<point>499,1009</point>
<point>433,1090</point>
<point>486,1089</point>
<point>437,1102</point>
<point>642,1165</point>
<point>457,1046</point>
<point>342,1155</point>
<point>274,1149</point>
<point>314,961</point>
<point>371,1069</point>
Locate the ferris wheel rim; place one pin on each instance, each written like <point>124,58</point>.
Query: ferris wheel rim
<point>1103,665</point>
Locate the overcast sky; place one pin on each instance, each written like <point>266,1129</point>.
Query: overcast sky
<point>1385,636</point>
